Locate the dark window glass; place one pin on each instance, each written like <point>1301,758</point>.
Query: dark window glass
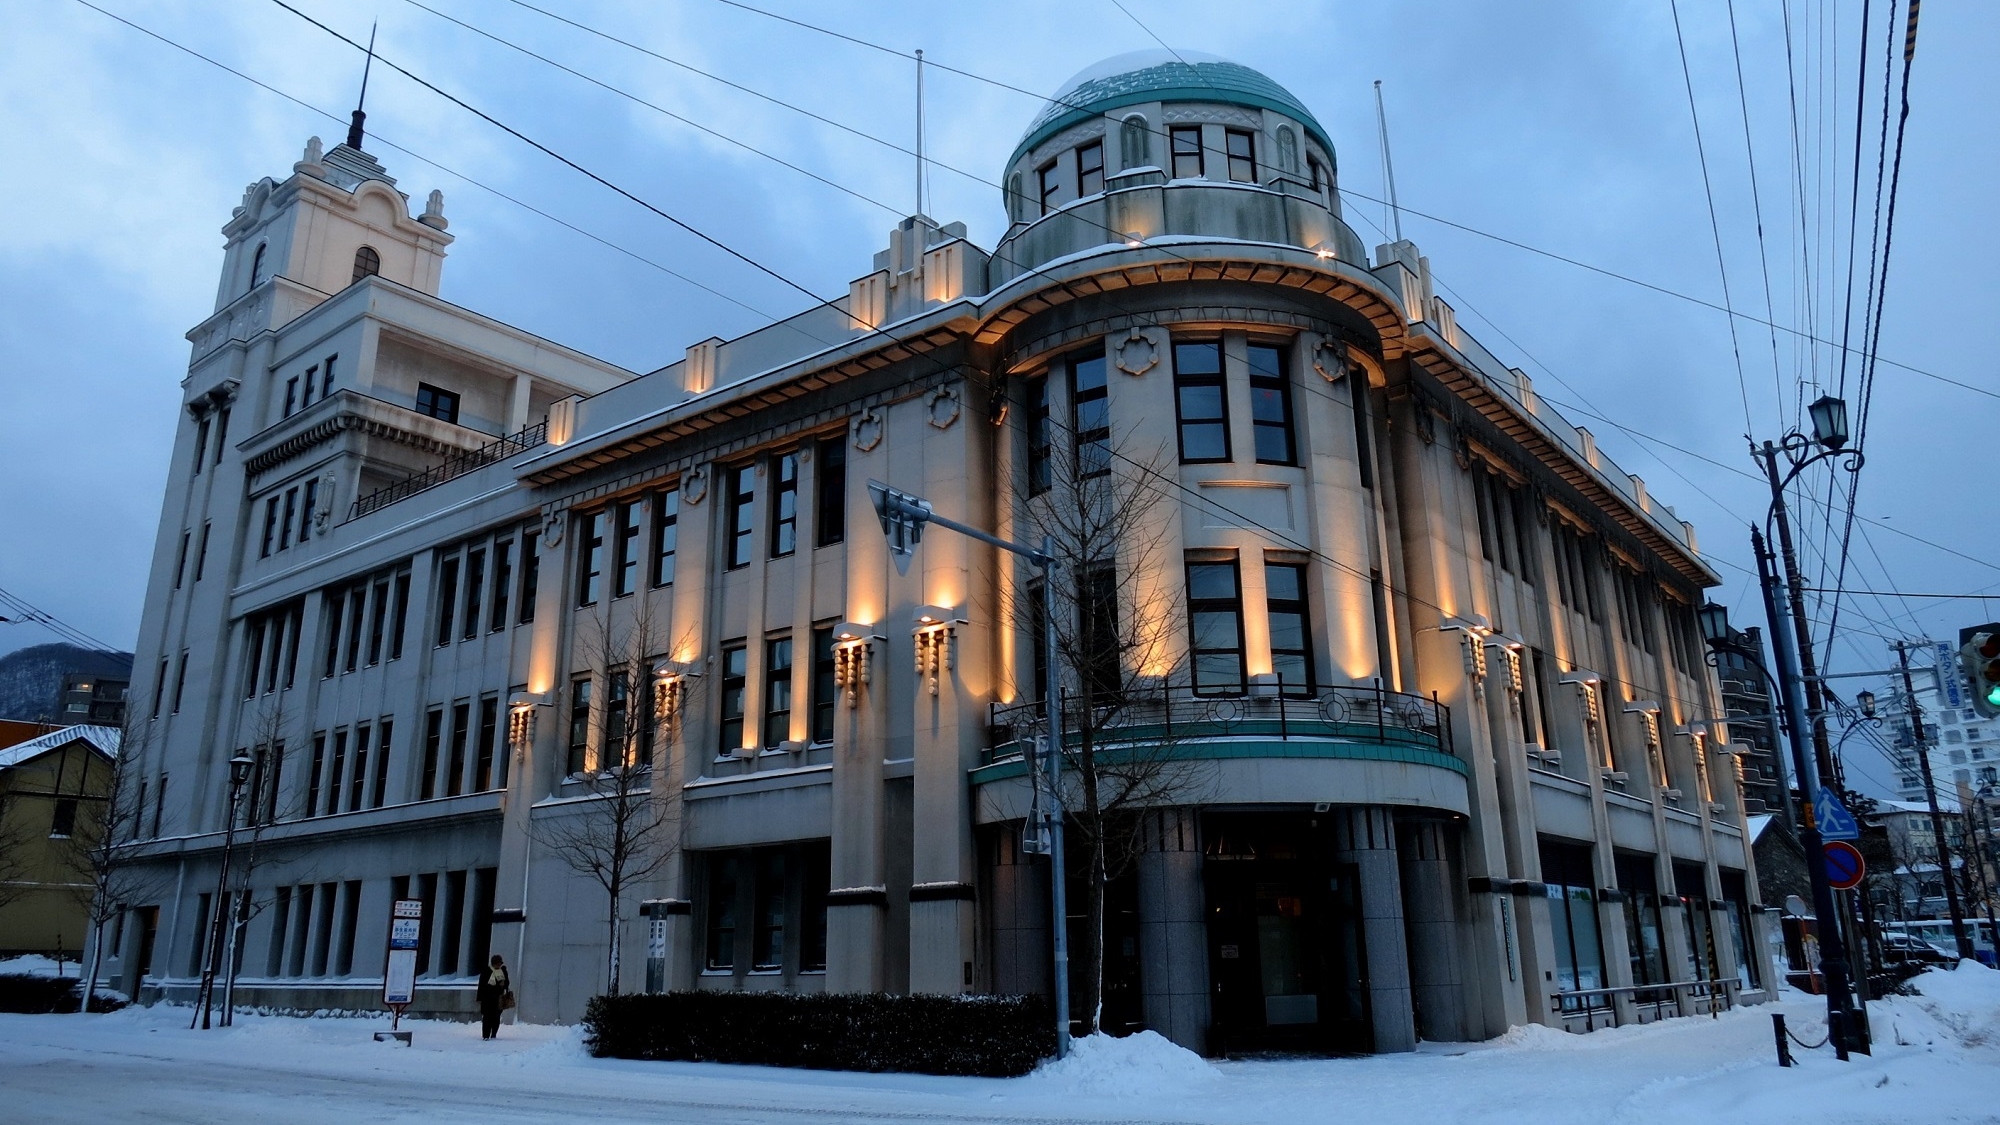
<point>1215,627</point>
<point>367,263</point>
<point>180,682</point>
<point>270,527</point>
<point>1291,627</point>
<point>382,735</point>
<point>461,723</point>
<point>579,724</point>
<point>625,548</point>
<point>503,584</point>
<point>285,522</point>
<point>721,913</point>
<point>447,599</point>
<point>666,534</point>
<point>1090,169</point>
<point>433,745</point>
<point>777,690</point>
<point>336,605</point>
<point>784,504</point>
<point>1242,155</point>
<point>200,445</point>
<point>307,506</point>
<point>617,713</point>
<point>767,946</point>
<point>326,378</point>
<point>1185,141</point>
<point>1051,186</point>
<point>291,396</point>
<point>1566,872</point>
<point>181,560</point>
<point>824,692</point>
<point>742,514</point>
<point>402,616</point>
<point>311,383</point>
<point>437,402</point>
<point>1097,625</point>
<point>201,554</point>
<point>1201,401</point>
<point>315,776</point>
<point>63,822</point>
<point>221,433</point>
<point>357,607</point>
<point>1271,406</point>
<point>531,575</point>
<point>830,492</point>
<point>357,784</point>
<point>1090,415</point>
<point>475,589</point>
<point>336,774</point>
<point>812,911</point>
<point>1037,431</point>
<point>590,561</point>
<point>735,678</point>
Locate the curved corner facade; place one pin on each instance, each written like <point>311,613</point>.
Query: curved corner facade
<point>1393,676</point>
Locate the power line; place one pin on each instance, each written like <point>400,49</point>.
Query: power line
<point>24,612</point>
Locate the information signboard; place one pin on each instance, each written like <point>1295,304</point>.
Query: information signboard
<point>406,926</point>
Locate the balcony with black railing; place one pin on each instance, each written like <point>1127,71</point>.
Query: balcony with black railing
<point>1359,724</point>
<point>451,468</point>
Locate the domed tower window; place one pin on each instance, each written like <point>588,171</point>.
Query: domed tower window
<point>257,265</point>
<point>1242,155</point>
<point>367,263</point>
<point>1135,146</point>
<point>1288,149</point>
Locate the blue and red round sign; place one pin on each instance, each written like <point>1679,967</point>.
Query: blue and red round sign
<point>1843,865</point>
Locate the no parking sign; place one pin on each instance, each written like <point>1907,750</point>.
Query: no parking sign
<point>1844,867</point>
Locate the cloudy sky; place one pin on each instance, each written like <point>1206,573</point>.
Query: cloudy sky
<point>1562,126</point>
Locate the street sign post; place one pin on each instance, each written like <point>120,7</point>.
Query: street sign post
<point>399,977</point>
<point>1835,822</point>
<point>1844,866</point>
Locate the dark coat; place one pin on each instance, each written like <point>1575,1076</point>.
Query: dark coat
<point>493,984</point>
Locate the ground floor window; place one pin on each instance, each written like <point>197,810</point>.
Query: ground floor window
<point>1736,907</point>
<point>1566,871</point>
<point>1692,885</point>
<point>1645,936</point>
<point>764,909</point>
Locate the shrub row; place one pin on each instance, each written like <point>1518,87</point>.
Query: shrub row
<point>39,996</point>
<point>990,1036</point>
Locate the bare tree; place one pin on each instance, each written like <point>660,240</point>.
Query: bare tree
<point>101,850</point>
<point>1101,503</point>
<point>620,832</point>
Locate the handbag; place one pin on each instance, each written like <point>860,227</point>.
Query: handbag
<point>506,999</point>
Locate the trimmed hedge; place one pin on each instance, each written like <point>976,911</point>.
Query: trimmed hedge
<point>40,996</point>
<point>987,1036</point>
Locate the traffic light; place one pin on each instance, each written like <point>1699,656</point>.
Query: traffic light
<point>1979,658</point>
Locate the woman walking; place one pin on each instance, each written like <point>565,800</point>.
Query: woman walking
<point>495,995</point>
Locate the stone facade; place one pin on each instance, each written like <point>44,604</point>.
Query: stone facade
<point>1444,691</point>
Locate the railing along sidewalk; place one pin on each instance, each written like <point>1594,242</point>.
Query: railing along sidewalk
<point>1592,1002</point>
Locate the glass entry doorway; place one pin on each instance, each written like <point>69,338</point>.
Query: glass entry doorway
<point>1284,937</point>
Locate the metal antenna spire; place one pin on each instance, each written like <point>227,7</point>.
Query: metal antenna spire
<point>354,125</point>
<point>1388,168</point>
<point>920,130</point>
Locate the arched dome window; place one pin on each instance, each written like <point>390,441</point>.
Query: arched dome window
<point>1135,142</point>
<point>257,265</point>
<point>367,263</point>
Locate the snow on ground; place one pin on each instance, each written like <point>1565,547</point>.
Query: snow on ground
<point>36,965</point>
<point>1936,1062</point>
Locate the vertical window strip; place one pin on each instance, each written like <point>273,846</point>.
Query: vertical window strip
<point>1201,401</point>
<point>1215,627</point>
<point>1271,405</point>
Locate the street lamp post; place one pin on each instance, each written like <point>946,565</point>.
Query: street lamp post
<point>1791,642</point>
<point>903,517</point>
<point>239,772</point>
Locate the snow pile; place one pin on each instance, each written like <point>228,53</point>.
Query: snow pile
<point>1145,1063</point>
<point>1965,1000</point>
<point>36,965</point>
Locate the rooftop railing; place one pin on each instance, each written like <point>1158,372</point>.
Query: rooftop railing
<point>457,465</point>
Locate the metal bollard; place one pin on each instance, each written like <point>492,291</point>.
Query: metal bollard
<point>1836,1033</point>
<point>1784,1047</point>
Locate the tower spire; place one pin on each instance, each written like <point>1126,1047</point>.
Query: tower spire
<point>354,125</point>
<point>920,130</point>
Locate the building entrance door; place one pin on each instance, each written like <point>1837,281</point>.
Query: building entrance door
<point>1284,938</point>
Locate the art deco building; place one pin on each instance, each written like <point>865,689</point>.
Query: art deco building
<point>1419,659</point>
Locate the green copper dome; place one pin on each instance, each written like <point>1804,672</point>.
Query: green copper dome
<point>1160,76</point>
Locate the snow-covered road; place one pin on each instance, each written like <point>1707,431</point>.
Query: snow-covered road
<point>1937,1062</point>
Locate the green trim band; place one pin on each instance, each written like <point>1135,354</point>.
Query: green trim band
<point>1237,748</point>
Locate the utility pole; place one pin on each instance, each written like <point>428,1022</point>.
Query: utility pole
<point>1930,797</point>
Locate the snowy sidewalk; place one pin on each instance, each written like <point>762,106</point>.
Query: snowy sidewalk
<point>1937,1061</point>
